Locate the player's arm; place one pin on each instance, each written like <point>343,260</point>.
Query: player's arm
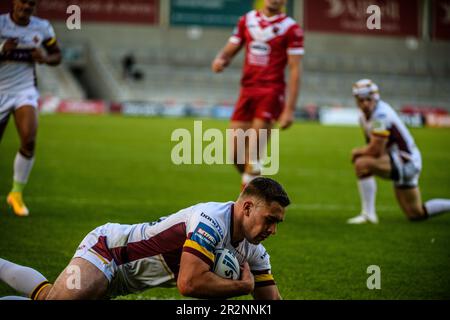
<point>294,68</point>
<point>51,57</point>
<point>9,52</point>
<point>234,44</point>
<point>195,279</point>
<point>375,148</point>
<point>267,293</point>
<point>225,56</point>
<point>265,286</point>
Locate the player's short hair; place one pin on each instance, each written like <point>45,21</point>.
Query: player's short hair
<point>267,189</point>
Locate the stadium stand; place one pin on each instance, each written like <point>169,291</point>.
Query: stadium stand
<point>173,67</point>
<point>60,82</point>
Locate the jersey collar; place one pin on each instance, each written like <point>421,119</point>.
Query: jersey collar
<point>273,19</point>
<point>11,20</point>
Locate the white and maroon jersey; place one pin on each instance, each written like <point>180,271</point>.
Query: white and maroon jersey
<point>385,122</point>
<point>16,77</point>
<point>268,42</point>
<point>149,254</point>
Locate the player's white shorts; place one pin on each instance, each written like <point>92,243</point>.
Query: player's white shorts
<point>13,101</point>
<point>127,277</point>
<point>405,168</point>
<point>85,250</point>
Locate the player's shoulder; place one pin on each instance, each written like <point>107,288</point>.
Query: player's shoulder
<point>39,23</point>
<point>383,111</point>
<point>250,14</point>
<point>256,253</point>
<point>215,214</point>
<point>290,20</point>
<point>291,26</point>
<point>259,251</point>
<point>248,17</point>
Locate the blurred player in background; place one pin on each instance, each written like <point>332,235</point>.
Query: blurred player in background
<point>391,153</point>
<point>24,41</point>
<point>117,259</point>
<point>272,40</point>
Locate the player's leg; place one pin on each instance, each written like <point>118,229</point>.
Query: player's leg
<point>436,206</point>
<point>24,280</point>
<point>256,146</point>
<point>410,201</point>
<point>237,145</point>
<point>80,280</point>
<point>267,105</point>
<point>241,122</point>
<point>26,120</point>
<point>408,193</point>
<point>366,168</point>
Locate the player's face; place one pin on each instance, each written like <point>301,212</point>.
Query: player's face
<point>23,9</point>
<point>274,5</point>
<point>262,220</point>
<point>366,104</point>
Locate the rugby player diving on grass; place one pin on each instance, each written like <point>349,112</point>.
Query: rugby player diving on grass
<point>116,259</point>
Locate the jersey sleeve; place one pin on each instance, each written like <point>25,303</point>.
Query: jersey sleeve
<point>380,125</point>
<point>203,237</point>
<point>259,263</point>
<point>49,36</point>
<point>295,37</point>
<point>238,35</point>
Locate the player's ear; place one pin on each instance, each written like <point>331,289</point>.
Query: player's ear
<point>248,206</point>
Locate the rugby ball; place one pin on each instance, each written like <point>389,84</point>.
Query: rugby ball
<point>226,265</point>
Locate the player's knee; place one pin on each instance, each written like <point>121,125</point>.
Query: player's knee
<point>28,146</point>
<point>363,166</point>
<point>415,214</point>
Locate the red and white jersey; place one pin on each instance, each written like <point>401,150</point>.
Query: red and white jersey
<point>147,255</point>
<point>268,42</point>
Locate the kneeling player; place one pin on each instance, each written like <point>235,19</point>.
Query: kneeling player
<point>117,259</point>
<point>391,153</point>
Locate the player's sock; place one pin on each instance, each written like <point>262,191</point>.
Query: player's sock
<point>23,279</point>
<point>367,190</point>
<point>437,206</point>
<point>22,169</point>
<point>14,298</point>
<point>18,187</point>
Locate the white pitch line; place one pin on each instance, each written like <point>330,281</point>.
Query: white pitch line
<point>334,207</point>
<point>149,202</point>
<point>92,201</point>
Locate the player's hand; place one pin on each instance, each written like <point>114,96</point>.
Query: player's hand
<point>356,153</point>
<point>247,277</point>
<point>286,119</point>
<point>38,56</point>
<point>219,64</point>
<point>10,45</point>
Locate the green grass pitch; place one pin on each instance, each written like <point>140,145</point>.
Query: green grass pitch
<point>91,170</point>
